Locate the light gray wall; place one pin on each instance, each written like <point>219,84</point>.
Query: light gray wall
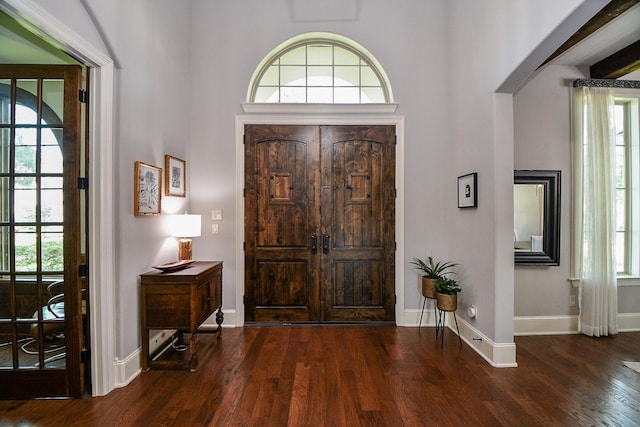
<point>542,126</point>
<point>183,68</point>
<point>149,41</point>
<point>488,41</point>
<point>229,41</point>
<point>542,116</point>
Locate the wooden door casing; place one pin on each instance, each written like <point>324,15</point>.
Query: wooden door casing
<point>319,223</point>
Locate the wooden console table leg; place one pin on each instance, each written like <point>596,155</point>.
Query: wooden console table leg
<point>219,319</point>
<point>145,349</point>
<point>194,343</point>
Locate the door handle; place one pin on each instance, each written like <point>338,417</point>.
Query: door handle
<point>325,243</point>
<point>314,244</point>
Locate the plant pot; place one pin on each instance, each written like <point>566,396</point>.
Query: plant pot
<point>428,288</point>
<point>447,302</point>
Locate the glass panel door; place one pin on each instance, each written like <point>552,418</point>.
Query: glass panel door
<point>41,302</point>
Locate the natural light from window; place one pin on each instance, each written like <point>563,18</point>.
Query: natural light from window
<point>627,170</point>
<point>319,71</point>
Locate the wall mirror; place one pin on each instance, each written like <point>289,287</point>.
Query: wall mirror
<point>536,217</point>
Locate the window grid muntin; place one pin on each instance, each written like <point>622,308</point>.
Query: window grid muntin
<point>275,62</point>
<point>10,125</point>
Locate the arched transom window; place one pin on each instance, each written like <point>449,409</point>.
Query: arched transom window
<point>320,68</point>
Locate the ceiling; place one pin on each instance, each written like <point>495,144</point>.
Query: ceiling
<point>20,46</point>
<point>614,28</point>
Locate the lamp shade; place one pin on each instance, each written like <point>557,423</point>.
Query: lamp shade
<point>186,225</point>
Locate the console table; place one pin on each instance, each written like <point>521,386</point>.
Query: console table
<point>180,300</point>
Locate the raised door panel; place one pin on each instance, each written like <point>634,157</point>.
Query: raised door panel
<point>319,223</point>
<point>281,174</point>
<point>359,218</point>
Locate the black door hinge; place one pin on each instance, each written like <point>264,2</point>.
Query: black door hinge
<point>83,270</point>
<point>85,356</point>
<point>83,183</point>
<point>83,96</point>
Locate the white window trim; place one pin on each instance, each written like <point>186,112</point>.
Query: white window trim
<point>299,108</point>
<point>330,37</point>
<point>632,278</point>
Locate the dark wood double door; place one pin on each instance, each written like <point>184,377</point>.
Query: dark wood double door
<point>319,223</point>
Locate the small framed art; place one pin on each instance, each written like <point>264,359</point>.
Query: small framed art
<point>147,191</point>
<point>175,176</point>
<point>468,191</point>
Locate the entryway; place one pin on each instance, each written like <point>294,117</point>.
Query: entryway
<point>43,289</point>
<point>319,223</point>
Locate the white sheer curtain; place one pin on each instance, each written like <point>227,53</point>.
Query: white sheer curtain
<point>593,246</point>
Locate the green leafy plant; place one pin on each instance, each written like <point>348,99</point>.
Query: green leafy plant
<point>447,286</point>
<point>433,269</point>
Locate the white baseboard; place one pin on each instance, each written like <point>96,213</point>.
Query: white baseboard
<point>559,325</point>
<point>412,317</point>
<point>545,325</point>
<point>499,355</point>
<point>628,322</point>
<point>127,369</point>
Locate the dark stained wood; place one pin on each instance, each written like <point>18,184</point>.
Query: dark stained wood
<point>619,64</point>
<point>611,11</point>
<point>180,300</point>
<point>67,378</point>
<point>358,215</point>
<point>368,375</point>
<point>332,185</point>
<point>281,193</point>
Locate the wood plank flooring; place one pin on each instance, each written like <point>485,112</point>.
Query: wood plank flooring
<point>366,376</point>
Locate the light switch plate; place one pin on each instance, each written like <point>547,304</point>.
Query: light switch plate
<point>216,215</point>
<point>214,229</point>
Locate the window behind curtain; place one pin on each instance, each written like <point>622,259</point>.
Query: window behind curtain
<point>627,123</point>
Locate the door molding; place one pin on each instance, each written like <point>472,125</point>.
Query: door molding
<point>320,119</point>
<point>102,276</point>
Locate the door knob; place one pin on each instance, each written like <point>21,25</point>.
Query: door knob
<point>314,244</point>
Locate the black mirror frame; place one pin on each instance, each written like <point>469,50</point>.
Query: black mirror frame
<point>550,254</point>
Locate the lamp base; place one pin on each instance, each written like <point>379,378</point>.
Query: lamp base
<point>184,249</point>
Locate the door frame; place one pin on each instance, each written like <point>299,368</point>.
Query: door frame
<point>102,277</point>
<point>327,115</point>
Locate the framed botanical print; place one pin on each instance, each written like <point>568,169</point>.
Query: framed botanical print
<point>147,191</point>
<point>175,176</point>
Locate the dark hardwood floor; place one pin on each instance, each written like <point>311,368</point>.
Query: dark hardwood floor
<point>370,376</point>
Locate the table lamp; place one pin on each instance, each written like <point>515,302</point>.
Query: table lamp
<point>184,227</point>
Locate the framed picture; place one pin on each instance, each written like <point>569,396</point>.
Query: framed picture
<point>148,187</point>
<point>175,176</point>
<point>468,191</point>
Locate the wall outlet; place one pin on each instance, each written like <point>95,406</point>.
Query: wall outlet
<point>158,339</point>
<point>573,301</point>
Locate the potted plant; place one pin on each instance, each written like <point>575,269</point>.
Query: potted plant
<point>447,294</point>
<point>431,270</point>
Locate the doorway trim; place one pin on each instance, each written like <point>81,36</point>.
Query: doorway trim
<point>335,117</point>
<point>100,198</point>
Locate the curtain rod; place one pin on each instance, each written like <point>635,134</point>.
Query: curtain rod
<point>629,84</point>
